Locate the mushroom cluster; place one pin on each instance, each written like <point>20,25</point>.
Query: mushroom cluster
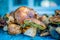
<point>25,20</point>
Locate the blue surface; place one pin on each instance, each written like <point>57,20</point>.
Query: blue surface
<point>6,36</point>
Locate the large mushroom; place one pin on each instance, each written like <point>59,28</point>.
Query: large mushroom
<point>35,23</point>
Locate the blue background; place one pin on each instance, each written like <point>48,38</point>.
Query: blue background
<point>6,6</point>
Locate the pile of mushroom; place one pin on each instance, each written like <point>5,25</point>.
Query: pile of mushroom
<point>25,20</point>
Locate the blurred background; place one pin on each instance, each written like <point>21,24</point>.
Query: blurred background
<point>40,6</point>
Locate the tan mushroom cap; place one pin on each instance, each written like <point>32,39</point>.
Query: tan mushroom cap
<point>14,29</point>
<point>55,19</point>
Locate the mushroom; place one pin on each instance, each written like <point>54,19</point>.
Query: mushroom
<point>55,19</point>
<point>36,23</point>
<point>14,29</point>
<point>9,18</point>
<point>23,13</point>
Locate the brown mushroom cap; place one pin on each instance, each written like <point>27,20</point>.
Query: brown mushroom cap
<point>23,13</point>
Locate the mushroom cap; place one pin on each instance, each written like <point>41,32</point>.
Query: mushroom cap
<point>23,13</point>
<point>14,29</point>
<point>55,19</point>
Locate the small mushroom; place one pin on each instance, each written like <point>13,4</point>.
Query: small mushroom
<point>55,19</point>
<point>14,29</point>
<point>9,18</point>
